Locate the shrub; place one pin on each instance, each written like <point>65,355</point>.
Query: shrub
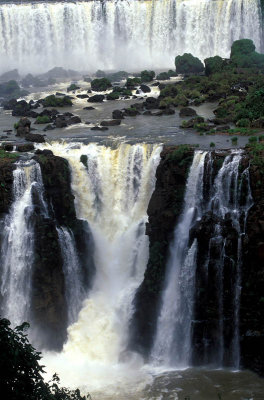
<point>53,101</point>
<point>166,102</point>
<point>187,64</point>
<point>113,96</point>
<point>147,76</point>
<point>72,87</point>
<point>242,46</point>
<point>169,90</point>
<point>163,76</point>
<point>253,139</point>
<point>117,76</point>
<point>213,65</point>
<point>234,139</point>
<point>45,119</point>
<point>100,84</point>
<point>181,100</point>
<point>171,73</point>
<point>212,144</point>
<point>131,83</point>
<point>243,123</point>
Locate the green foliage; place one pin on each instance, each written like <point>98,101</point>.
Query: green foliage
<point>242,131</point>
<point>212,144</point>
<point>117,76</point>
<point>187,64</point>
<point>7,155</point>
<point>21,373</point>
<point>163,76</point>
<point>253,139</point>
<point>131,83</point>
<point>243,123</point>
<point>256,152</point>
<point>113,96</point>
<point>100,84</point>
<point>178,154</point>
<point>122,91</point>
<point>213,65</point>
<point>72,87</point>
<point>53,101</point>
<point>181,100</point>
<point>242,46</point>
<point>172,73</point>
<point>45,119</point>
<point>168,91</point>
<point>254,103</point>
<point>234,139</point>
<point>147,76</point>
<point>11,89</point>
<point>166,102</point>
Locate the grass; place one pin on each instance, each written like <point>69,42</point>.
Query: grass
<point>5,155</point>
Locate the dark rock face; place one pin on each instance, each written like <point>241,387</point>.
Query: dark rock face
<point>117,114</point>
<point>23,127</point>
<point>252,294</point>
<point>22,148</point>
<point>34,137</point>
<point>187,112</point>
<point>112,122</point>
<point>145,88</point>
<point>163,211</point>
<point>6,179</point>
<point>97,98</point>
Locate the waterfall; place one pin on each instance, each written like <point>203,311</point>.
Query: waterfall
<point>131,35</point>
<point>228,198</point>
<point>226,201</point>
<point>112,189</point>
<point>74,290</point>
<point>17,252</point>
<point>172,345</point>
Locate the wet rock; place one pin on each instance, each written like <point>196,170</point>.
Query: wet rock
<point>82,96</point>
<point>21,109</point>
<point>117,114</point>
<point>157,113</point>
<point>97,98</point>
<point>168,111</point>
<point>74,120</point>
<point>99,128</point>
<point>151,103</point>
<point>112,122</point>
<point>187,112</point>
<point>60,122</point>
<point>25,147</point>
<point>10,75</point>
<point>8,147</point>
<point>131,112</point>
<point>88,108</point>
<point>145,88</point>
<point>23,126</point>
<point>34,137</point>
<point>148,113</point>
<point>223,128</point>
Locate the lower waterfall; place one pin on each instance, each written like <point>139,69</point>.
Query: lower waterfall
<point>17,250</point>
<point>112,189</point>
<point>172,346</point>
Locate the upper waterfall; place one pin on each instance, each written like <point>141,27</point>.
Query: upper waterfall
<point>130,34</point>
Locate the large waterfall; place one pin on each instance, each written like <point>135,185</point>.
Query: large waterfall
<point>131,34</point>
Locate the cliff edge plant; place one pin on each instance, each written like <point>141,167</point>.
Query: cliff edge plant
<point>188,64</point>
<point>21,375</point>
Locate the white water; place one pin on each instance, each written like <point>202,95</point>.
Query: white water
<point>74,290</point>
<point>226,200</point>
<point>112,193</point>
<point>172,345</point>
<point>17,252</point>
<point>129,34</point>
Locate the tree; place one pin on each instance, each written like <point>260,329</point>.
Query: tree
<point>213,65</point>
<point>187,64</point>
<point>20,372</point>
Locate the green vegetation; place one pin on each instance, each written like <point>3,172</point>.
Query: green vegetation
<point>6,155</point>
<point>242,131</point>
<point>163,76</point>
<point>212,144</point>
<point>234,140</point>
<point>131,83</point>
<point>21,373</point>
<point>188,64</point>
<point>53,101</point>
<point>45,119</point>
<point>256,152</point>
<point>181,152</point>
<point>72,87</point>
<point>147,76</point>
<point>117,76</point>
<point>11,90</point>
<point>243,55</point>
<point>100,84</point>
<point>213,65</point>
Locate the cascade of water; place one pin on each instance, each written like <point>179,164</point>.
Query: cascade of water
<point>17,252</point>
<point>227,201</point>
<point>74,290</point>
<point>112,192</point>
<point>172,345</point>
<point>130,34</point>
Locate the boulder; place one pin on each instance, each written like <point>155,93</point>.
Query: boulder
<point>99,128</point>
<point>145,88</point>
<point>74,120</point>
<point>25,147</point>
<point>89,108</point>
<point>112,122</point>
<point>117,114</point>
<point>34,137</point>
<point>82,96</point>
<point>151,103</point>
<point>23,126</point>
<point>97,98</point>
<point>60,122</point>
<point>187,112</point>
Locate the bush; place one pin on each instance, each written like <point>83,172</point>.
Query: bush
<point>169,90</point>
<point>234,139</point>
<point>213,65</point>
<point>163,76</point>
<point>72,87</point>
<point>113,96</point>
<point>117,76</point>
<point>171,73</point>
<point>243,123</point>
<point>12,90</point>
<point>166,102</point>
<point>131,83</point>
<point>212,144</point>
<point>43,119</point>
<point>187,64</point>
<point>181,100</point>
<point>100,84</point>
<point>53,101</point>
<point>253,139</point>
<point>255,103</point>
<point>21,374</point>
<point>147,76</point>
<point>242,46</point>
